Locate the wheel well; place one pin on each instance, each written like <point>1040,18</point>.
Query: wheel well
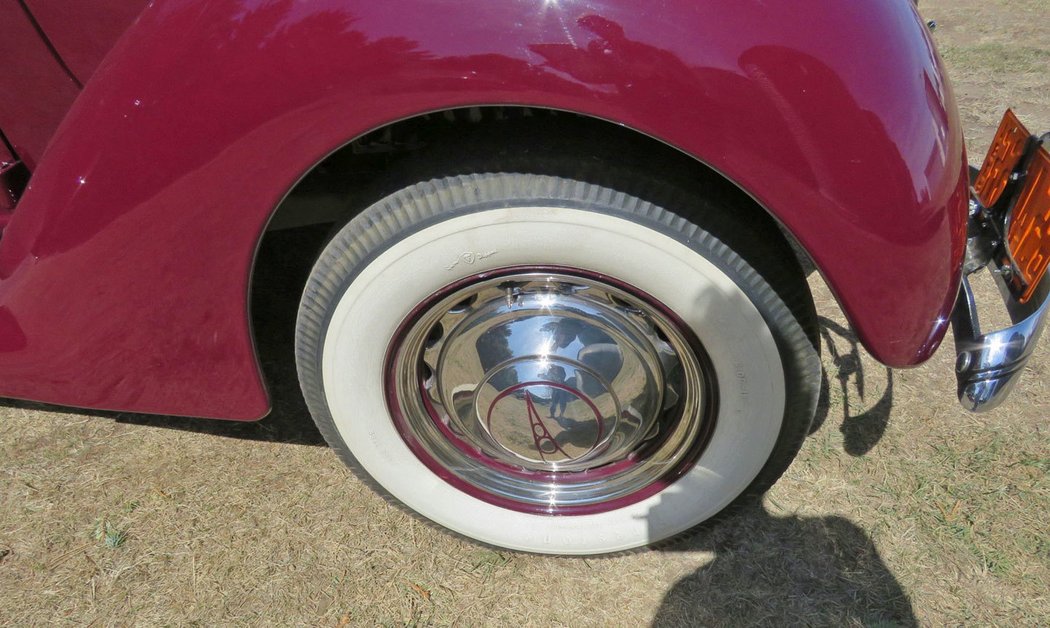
<point>353,176</point>
<point>399,154</point>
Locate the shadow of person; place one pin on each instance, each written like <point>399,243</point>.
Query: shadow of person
<point>864,416</point>
<point>792,570</point>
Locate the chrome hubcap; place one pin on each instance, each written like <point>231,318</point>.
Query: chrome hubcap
<point>549,391</point>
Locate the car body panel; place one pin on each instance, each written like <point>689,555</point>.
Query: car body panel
<point>125,271</point>
<point>35,90</point>
<point>83,32</point>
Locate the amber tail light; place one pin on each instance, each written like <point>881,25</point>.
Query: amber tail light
<point>1028,234</point>
<point>1004,156</point>
<point>1014,184</point>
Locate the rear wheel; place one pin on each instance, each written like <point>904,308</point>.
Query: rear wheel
<point>549,365</point>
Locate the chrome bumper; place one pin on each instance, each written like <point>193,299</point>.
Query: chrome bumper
<point>989,365</point>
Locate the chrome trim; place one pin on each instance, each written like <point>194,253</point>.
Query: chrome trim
<point>989,365</point>
<point>549,390</point>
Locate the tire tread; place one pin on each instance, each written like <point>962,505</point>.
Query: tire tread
<point>778,289</point>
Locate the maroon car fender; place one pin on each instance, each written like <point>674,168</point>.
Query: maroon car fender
<point>124,273</point>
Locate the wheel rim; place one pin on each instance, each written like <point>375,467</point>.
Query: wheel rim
<point>550,390</point>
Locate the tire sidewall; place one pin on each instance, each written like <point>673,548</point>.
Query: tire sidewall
<point>411,245</point>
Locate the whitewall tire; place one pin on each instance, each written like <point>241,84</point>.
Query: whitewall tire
<point>548,365</point>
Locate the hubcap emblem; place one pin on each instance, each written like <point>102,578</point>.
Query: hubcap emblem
<point>549,421</point>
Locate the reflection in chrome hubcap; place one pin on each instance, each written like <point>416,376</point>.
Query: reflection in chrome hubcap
<point>549,391</point>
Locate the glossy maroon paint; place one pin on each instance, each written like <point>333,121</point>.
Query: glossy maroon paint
<point>124,273</point>
<point>84,31</point>
<point>35,91</point>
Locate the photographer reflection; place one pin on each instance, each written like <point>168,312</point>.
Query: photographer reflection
<point>560,397</point>
<point>588,345</point>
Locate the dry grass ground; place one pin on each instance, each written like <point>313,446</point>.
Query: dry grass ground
<point>900,508</point>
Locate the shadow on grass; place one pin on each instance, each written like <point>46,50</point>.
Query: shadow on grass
<point>276,286</point>
<point>864,417</point>
<point>815,571</point>
<point>822,571</point>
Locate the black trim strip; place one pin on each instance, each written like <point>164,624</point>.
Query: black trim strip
<point>7,144</point>
<point>50,46</point>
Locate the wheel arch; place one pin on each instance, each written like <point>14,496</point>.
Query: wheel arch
<point>352,173</point>
<point>205,114</point>
<point>385,159</point>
